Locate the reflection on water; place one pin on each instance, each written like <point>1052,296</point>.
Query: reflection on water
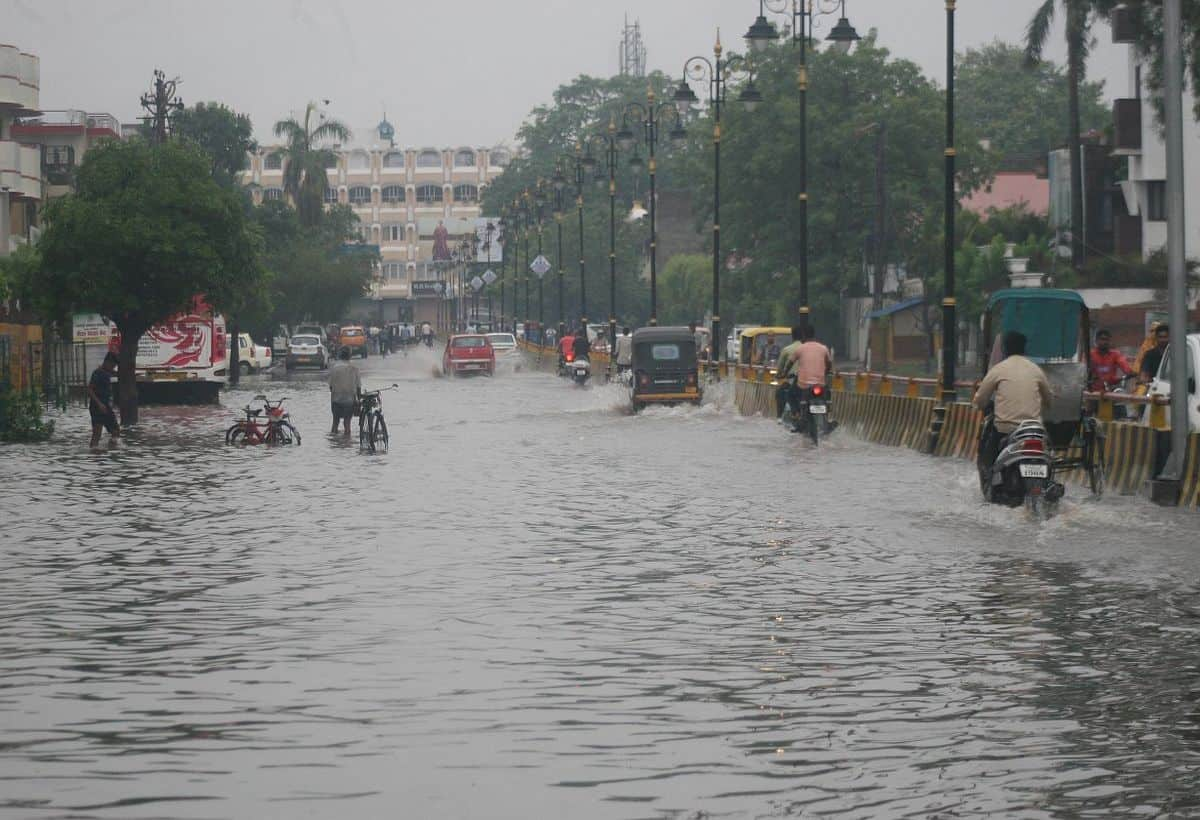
<point>538,605</point>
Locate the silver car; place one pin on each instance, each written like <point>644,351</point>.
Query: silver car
<point>307,351</point>
<point>505,345</point>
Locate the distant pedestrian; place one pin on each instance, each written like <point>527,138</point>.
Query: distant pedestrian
<point>100,400</point>
<point>345,389</point>
<point>624,350</point>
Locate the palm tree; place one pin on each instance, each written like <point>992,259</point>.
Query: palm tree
<point>1079,19</point>
<point>304,177</point>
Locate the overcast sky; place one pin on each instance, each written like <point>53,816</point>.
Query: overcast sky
<point>448,73</point>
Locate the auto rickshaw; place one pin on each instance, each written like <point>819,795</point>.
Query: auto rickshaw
<point>1057,330</point>
<point>754,342</point>
<point>665,368</point>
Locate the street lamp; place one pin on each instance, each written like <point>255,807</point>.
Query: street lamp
<point>842,38</point>
<point>649,118</point>
<point>608,141</point>
<point>717,72</point>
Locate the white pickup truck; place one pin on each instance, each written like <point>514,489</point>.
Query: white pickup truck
<point>1161,386</point>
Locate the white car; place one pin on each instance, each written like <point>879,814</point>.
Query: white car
<point>307,350</point>
<point>505,345</point>
<point>1161,386</point>
<point>253,357</point>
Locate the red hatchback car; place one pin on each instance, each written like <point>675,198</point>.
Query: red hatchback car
<point>469,353</point>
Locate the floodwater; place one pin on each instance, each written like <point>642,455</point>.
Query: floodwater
<point>536,605</point>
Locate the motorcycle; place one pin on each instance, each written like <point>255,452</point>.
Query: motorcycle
<point>1023,472</point>
<point>809,408</point>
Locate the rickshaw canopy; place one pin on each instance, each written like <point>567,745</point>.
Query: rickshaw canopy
<point>754,339</point>
<point>1054,322</point>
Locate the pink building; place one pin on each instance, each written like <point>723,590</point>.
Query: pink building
<point>1012,187</point>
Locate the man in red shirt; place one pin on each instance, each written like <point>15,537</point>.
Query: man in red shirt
<point>1108,366</point>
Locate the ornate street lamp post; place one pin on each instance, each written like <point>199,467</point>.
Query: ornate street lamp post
<point>717,73</point>
<point>842,38</point>
<point>609,142</point>
<point>649,118</point>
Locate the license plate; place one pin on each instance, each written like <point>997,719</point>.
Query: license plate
<point>1034,470</point>
<point>817,409</point>
<point>472,366</point>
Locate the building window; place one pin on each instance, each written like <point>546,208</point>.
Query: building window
<point>360,161</point>
<point>331,161</point>
<point>58,162</point>
<point>464,158</point>
<point>360,195</point>
<point>429,194</point>
<point>429,159</point>
<point>331,196</point>
<point>393,159</point>
<point>1156,201</point>
<point>393,271</point>
<point>466,193</point>
<point>393,233</point>
<point>273,162</point>
<point>393,194</point>
<point>499,158</point>
<point>272,195</point>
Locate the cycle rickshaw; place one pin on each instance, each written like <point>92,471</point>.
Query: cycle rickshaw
<point>1057,330</point>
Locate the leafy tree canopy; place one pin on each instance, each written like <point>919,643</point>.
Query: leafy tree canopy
<point>220,132</point>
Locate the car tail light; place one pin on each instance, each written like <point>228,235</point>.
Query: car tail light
<point>818,390</point>
<point>643,379</point>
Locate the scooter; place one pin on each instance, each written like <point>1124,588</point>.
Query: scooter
<point>580,370</point>
<point>1023,473</point>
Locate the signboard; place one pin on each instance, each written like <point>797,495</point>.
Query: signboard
<point>477,283</point>
<point>428,289</point>
<point>90,328</point>
<point>540,266</point>
<point>484,254</point>
<point>489,276</point>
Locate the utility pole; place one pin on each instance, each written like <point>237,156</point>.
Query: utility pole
<point>159,103</point>
<point>1165,490</point>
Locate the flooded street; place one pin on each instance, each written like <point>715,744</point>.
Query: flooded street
<point>537,605</point>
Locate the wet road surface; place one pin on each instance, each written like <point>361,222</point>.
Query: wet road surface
<point>538,605</point>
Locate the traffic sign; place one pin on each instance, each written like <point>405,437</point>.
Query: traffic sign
<point>489,276</point>
<point>540,266</point>
<point>477,283</point>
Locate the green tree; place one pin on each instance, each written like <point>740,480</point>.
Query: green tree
<point>316,273</point>
<point>147,231</point>
<point>1080,15</point>
<point>220,132</point>
<point>685,289</point>
<point>1016,107</point>
<point>304,176</point>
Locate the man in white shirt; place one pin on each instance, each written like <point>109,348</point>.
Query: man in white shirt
<point>1019,391</point>
<point>345,389</point>
<point>624,351</point>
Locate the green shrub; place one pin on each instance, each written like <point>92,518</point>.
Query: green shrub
<point>21,418</point>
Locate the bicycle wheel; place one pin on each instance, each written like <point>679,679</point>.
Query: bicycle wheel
<point>275,435</point>
<point>292,432</point>
<point>380,434</point>
<point>235,434</point>
<point>365,433</point>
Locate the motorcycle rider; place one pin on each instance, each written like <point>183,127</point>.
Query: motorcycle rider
<point>1019,391</point>
<point>427,334</point>
<point>581,347</point>
<point>784,371</point>
<point>808,360</point>
<point>1108,366</point>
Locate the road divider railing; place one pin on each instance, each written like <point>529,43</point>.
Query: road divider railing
<point>898,411</point>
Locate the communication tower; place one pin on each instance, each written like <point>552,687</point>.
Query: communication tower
<point>633,50</point>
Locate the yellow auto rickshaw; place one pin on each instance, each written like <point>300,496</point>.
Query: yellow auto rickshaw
<point>762,345</point>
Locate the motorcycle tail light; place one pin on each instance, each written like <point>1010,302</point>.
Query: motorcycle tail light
<point>570,357</point>
<point>643,380</point>
<point>818,390</point>
<point>691,378</point>
<point>1034,444</point>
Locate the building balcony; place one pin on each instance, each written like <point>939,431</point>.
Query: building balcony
<point>21,169</point>
<point>20,78</point>
<point>68,120</point>
<point>1127,127</point>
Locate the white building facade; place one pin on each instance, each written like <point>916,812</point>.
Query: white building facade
<point>20,164</point>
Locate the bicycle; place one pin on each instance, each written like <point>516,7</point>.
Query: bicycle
<point>372,429</point>
<point>277,430</point>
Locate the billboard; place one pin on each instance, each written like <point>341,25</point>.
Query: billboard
<point>428,289</point>
<point>485,254</point>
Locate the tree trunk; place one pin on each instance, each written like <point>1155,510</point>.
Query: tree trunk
<point>1075,33</point>
<point>127,397</point>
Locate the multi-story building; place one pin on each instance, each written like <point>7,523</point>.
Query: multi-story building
<point>1138,137</point>
<point>20,164</point>
<point>63,137</point>
<point>401,196</point>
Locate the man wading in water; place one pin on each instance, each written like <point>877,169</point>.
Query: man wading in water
<point>99,391</point>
